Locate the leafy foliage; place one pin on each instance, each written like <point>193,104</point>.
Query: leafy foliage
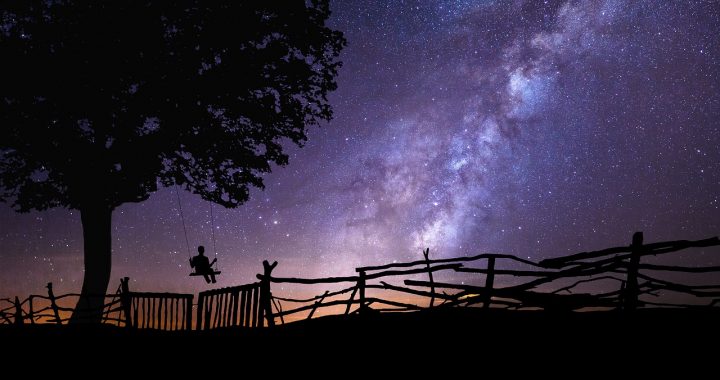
<point>102,102</point>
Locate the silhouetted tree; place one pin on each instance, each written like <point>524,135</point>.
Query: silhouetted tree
<point>102,102</point>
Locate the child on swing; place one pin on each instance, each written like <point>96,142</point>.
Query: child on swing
<point>203,266</point>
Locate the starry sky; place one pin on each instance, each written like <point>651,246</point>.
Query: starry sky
<point>536,128</point>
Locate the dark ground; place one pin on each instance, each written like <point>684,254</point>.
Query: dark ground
<point>452,337</point>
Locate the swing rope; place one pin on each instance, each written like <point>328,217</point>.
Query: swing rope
<point>182,217</point>
<point>212,225</point>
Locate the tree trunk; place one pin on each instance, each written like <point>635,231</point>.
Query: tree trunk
<point>96,220</point>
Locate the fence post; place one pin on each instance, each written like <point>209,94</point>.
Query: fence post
<point>53,305</point>
<point>361,287</point>
<point>188,312</point>
<point>207,312</point>
<point>349,304</point>
<point>18,312</point>
<point>200,307</point>
<point>125,300</point>
<point>31,312</point>
<point>317,303</point>
<point>235,304</point>
<point>489,283</point>
<point>265,294</point>
<point>631,286</point>
<point>426,253</point>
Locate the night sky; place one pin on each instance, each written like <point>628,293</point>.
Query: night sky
<point>531,128</point>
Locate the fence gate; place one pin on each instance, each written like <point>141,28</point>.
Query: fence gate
<point>161,311</point>
<point>230,307</point>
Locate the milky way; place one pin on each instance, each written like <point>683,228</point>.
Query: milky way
<point>532,128</point>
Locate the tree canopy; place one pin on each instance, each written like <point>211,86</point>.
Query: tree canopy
<point>103,101</point>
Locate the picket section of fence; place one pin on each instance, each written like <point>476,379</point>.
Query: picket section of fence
<point>159,311</point>
<point>237,306</point>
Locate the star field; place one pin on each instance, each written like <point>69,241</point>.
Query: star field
<point>525,127</point>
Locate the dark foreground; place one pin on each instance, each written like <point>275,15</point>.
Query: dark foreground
<point>434,335</point>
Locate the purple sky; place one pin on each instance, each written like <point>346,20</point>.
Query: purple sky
<point>531,128</point>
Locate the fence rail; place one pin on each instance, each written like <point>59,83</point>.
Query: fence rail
<point>551,284</point>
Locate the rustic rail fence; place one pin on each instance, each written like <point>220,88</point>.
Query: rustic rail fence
<point>551,284</point>
<point>55,309</point>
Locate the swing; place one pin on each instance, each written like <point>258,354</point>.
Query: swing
<point>213,271</point>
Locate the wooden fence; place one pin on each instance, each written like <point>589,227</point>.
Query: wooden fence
<point>54,309</point>
<point>237,306</point>
<point>500,281</point>
<point>559,278</point>
<point>161,311</point>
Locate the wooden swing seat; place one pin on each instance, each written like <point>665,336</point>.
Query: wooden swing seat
<point>217,272</point>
